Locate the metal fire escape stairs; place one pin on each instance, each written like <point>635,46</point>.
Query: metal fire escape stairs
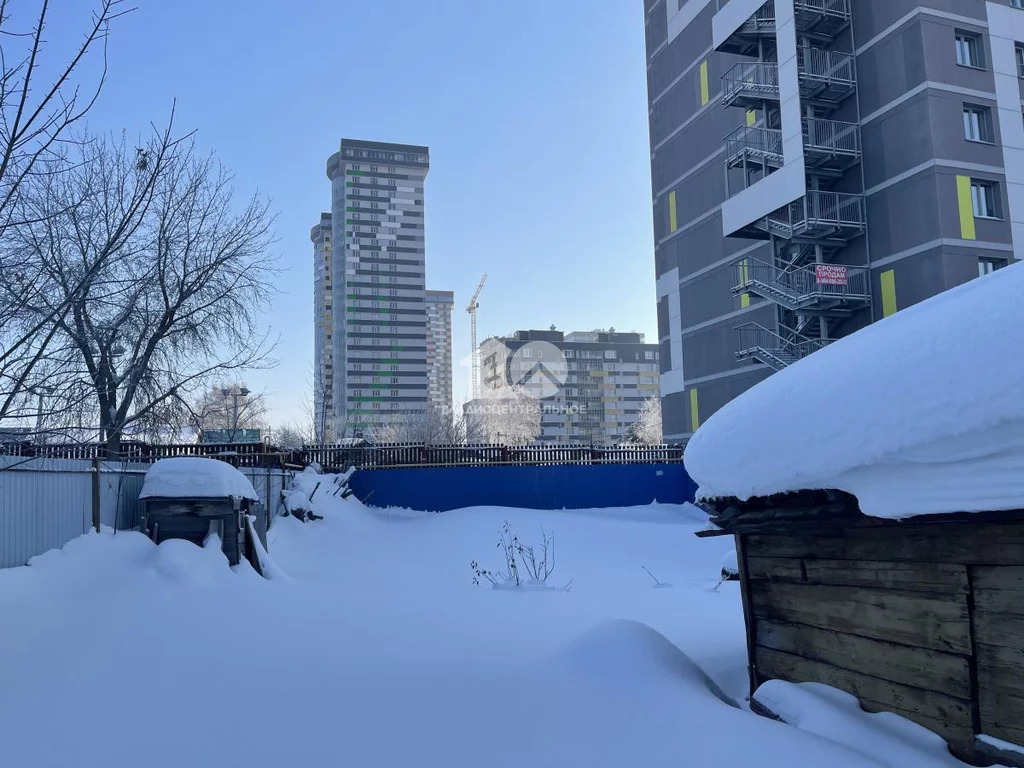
<point>812,293</point>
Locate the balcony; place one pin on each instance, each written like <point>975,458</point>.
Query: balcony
<point>830,147</point>
<point>755,342</point>
<point>817,216</point>
<point>826,76</point>
<point>821,18</point>
<point>830,289</point>
<point>748,84</point>
<point>747,39</point>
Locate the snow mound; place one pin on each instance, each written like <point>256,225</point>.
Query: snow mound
<point>182,562</point>
<point>622,649</point>
<point>825,711</point>
<point>920,413</point>
<point>195,477</point>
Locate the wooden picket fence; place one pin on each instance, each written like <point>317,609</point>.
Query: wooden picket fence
<point>379,456</point>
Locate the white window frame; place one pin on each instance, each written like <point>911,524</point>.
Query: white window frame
<point>985,199</point>
<point>969,49</point>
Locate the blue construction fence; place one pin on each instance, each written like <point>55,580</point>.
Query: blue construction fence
<point>565,486</point>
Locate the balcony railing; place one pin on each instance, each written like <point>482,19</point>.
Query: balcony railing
<point>819,214</point>
<point>758,80</point>
<point>831,136</point>
<point>826,75</point>
<point>824,17</point>
<point>756,342</point>
<point>827,143</point>
<point>814,287</point>
<point>753,141</point>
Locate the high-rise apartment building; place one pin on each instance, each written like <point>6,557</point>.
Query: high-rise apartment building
<point>601,385</point>
<point>818,165</point>
<point>323,329</point>
<point>371,299</point>
<point>439,350</point>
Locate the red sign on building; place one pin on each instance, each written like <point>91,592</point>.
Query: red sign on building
<point>830,274</point>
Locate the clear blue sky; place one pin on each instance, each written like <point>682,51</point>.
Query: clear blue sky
<point>534,111</point>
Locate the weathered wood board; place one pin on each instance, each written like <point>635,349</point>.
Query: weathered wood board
<point>948,716</point>
<point>938,622</point>
<point>988,544</point>
<point>919,667</point>
<point>944,578</point>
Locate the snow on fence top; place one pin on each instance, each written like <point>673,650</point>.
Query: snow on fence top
<point>194,477</point>
<point>921,413</point>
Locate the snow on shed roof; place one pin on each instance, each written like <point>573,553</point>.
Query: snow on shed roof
<point>194,477</point>
<point>920,413</point>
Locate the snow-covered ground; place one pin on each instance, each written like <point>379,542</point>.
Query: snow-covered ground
<point>375,649</point>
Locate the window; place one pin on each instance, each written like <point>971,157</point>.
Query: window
<point>986,265</point>
<point>985,199</point>
<point>1017,3</point>
<point>968,50</point>
<point>978,124</point>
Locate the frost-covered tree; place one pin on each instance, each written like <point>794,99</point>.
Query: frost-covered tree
<point>507,416</point>
<point>647,430</point>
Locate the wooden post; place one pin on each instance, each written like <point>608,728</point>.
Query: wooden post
<point>96,465</point>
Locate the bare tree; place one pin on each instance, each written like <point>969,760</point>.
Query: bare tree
<point>173,305</point>
<point>41,98</point>
<point>292,436</point>
<point>229,407</point>
<point>81,212</point>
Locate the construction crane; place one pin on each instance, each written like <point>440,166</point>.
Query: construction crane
<point>474,305</point>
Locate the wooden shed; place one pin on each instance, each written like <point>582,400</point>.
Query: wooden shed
<point>923,617</point>
<point>192,497</point>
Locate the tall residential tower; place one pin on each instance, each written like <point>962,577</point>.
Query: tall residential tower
<point>817,166</point>
<point>439,350</point>
<point>371,308</point>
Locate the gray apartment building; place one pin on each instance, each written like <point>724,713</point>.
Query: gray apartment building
<point>818,165</point>
<point>369,290</point>
<point>439,350</point>
<point>606,377</point>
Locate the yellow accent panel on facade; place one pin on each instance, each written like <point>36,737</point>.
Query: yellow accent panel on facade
<point>599,373</point>
<point>744,276</point>
<point>888,279</point>
<point>704,82</point>
<point>673,223</point>
<point>694,411</point>
<point>964,203</point>
<point>744,300</point>
<point>751,116</point>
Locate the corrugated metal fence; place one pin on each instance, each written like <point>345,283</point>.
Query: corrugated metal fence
<point>44,503</point>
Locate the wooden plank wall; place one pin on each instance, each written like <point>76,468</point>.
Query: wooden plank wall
<point>925,620</point>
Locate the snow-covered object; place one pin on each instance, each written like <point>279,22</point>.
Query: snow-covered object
<point>730,565</point>
<point>194,477</point>
<point>921,413</point>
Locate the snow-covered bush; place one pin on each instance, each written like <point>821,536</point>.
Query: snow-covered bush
<point>525,565</point>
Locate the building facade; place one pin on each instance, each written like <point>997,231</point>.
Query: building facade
<point>597,383</point>
<point>439,350</point>
<point>372,303</point>
<point>817,166</point>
